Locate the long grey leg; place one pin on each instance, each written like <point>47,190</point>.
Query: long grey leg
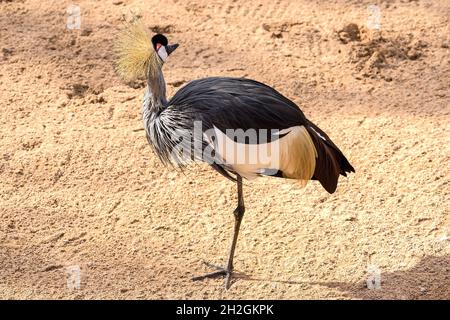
<point>238,215</point>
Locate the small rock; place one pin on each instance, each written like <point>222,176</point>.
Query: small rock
<point>7,52</point>
<point>420,44</point>
<point>86,32</point>
<point>117,2</point>
<point>51,268</point>
<point>277,35</point>
<point>162,29</point>
<point>78,90</point>
<point>349,33</point>
<point>413,54</point>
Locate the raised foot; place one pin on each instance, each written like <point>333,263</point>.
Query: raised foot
<point>220,272</point>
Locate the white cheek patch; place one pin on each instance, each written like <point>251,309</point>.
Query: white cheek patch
<point>162,53</point>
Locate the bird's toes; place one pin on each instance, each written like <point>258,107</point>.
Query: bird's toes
<point>213,266</point>
<point>214,274</point>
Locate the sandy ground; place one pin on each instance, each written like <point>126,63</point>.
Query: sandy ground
<point>80,187</point>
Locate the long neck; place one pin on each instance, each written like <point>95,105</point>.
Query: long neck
<point>156,87</point>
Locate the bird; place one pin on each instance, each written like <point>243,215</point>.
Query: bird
<point>223,121</point>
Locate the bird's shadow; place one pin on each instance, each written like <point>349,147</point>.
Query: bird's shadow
<point>428,279</point>
<point>237,276</point>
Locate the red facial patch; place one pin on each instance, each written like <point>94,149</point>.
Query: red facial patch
<point>158,45</point>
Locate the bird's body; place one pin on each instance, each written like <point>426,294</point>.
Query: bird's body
<point>225,103</point>
<point>241,127</point>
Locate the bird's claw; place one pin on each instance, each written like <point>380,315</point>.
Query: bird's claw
<point>210,265</point>
<point>220,271</point>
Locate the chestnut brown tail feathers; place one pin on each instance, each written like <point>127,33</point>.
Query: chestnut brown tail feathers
<point>330,160</point>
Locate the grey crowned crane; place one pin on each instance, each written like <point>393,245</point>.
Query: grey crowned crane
<point>195,125</point>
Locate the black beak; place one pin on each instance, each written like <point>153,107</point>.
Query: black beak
<point>171,48</point>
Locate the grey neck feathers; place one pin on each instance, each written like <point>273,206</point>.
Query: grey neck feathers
<point>156,87</point>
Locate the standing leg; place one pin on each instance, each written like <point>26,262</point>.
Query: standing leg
<point>238,215</point>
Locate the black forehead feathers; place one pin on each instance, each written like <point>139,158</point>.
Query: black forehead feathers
<point>159,38</point>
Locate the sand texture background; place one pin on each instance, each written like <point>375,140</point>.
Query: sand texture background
<point>79,185</point>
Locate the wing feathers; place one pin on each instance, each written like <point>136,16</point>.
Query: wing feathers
<point>294,154</point>
<point>330,160</point>
<point>297,154</point>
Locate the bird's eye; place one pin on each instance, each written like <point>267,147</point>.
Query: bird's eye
<point>158,41</point>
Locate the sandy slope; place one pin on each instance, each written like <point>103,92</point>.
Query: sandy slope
<point>79,186</point>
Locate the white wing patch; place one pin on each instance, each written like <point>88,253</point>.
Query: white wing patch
<point>294,154</point>
<point>248,160</point>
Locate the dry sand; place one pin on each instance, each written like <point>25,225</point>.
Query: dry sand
<point>79,185</point>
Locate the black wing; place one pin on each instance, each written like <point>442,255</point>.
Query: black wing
<point>237,103</point>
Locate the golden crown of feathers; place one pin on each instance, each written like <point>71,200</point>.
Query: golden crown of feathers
<point>135,56</point>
